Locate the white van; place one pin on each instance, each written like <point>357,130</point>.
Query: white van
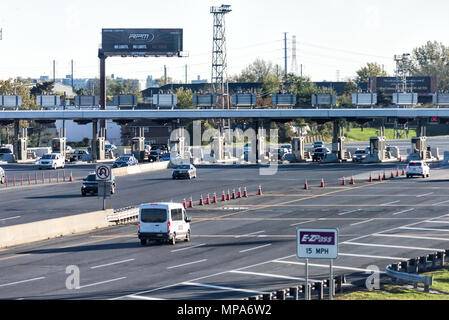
<point>163,222</point>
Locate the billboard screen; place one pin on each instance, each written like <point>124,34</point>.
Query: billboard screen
<point>421,85</point>
<point>143,42</point>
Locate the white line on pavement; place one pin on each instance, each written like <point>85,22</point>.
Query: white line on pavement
<point>222,288</point>
<point>424,229</point>
<point>101,282</point>
<point>250,234</point>
<point>186,264</point>
<point>186,248</point>
<point>143,298</point>
<point>10,218</point>
<point>389,246</point>
<point>388,203</point>
<point>425,194</point>
<point>23,281</point>
<point>403,211</point>
<point>409,237</point>
<point>270,275</point>
<point>112,263</point>
<point>297,224</point>
<point>369,256</point>
<point>435,221</point>
<point>246,250</point>
<point>435,204</point>
<point>343,213</point>
<point>365,221</point>
<point>327,266</point>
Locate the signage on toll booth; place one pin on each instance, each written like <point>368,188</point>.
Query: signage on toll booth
<point>317,243</point>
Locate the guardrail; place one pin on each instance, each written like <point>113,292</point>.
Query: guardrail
<point>316,289</point>
<point>408,270</point>
<point>123,215</point>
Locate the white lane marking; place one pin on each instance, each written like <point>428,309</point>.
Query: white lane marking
<point>403,211</point>
<point>186,248</point>
<point>389,246</point>
<point>435,221</point>
<point>388,203</point>
<point>343,213</point>
<point>110,264</point>
<point>222,288</point>
<point>435,204</point>
<point>186,264</point>
<point>270,275</point>
<point>425,194</point>
<point>409,237</point>
<point>19,282</point>
<point>101,282</point>
<point>424,229</point>
<point>133,296</point>
<point>298,223</point>
<point>10,218</point>
<point>369,256</point>
<point>365,221</point>
<point>246,250</point>
<point>250,234</point>
<point>326,266</point>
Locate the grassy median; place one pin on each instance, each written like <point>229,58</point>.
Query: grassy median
<point>397,292</point>
<point>356,134</point>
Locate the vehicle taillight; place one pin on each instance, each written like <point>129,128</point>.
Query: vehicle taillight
<point>138,226</point>
<point>408,167</point>
<point>420,167</point>
<point>168,226</point>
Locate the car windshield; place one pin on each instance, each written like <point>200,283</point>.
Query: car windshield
<point>185,167</point>
<point>48,156</point>
<point>153,215</point>
<point>360,151</point>
<point>91,177</point>
<point>124,158</point>
<point>5,150</point>
<point>415,164</point>
<point>320,150</point>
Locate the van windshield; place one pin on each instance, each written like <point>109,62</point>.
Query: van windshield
<point>153,215</point>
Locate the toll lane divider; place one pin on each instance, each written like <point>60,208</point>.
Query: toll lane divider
<point>53,228</point>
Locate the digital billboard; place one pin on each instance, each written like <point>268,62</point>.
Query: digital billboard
<point>141,42</point>
<point>420,85</point>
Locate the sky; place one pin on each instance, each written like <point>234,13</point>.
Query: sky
<point>334,38</point>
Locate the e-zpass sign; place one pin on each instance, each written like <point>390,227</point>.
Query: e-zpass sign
<point>317,243</point>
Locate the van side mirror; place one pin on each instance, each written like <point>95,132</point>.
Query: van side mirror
<point>188,219</point>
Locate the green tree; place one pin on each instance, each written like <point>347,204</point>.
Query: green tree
<point>432,59</point>
<point>185,98</point>
<point>303,87</point>
<point>371,69</point>
<point>255,72</point>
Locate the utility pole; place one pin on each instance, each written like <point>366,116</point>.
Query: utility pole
<point>294,63</point>
<point>186,75</point>
<point>285,54</point>
<point>165,74</point>
<point>72,74</point>
<point>54,71</point>
<point>401,71</point>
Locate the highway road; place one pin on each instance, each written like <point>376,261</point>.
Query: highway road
<point>37,202</point>
<point>242,247</point>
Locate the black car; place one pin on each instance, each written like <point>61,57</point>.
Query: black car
<point>90,185</point>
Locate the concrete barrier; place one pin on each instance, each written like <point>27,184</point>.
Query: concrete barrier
<point>53,228</point>
<point>140,168</point>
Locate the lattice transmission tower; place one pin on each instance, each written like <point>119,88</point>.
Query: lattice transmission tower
<point>219,78</point>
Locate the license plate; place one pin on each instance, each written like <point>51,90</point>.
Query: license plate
<point>159,234</point>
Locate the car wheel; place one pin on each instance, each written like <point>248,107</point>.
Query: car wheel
<point>408,176</point>
<point>173,240</point>
<point>83,194</point>
<point>143,242</point>
<point>423,176</point>
<point>187,239</point>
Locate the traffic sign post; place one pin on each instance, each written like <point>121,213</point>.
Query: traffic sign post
<point>103,174</point>
<point>317,244</point>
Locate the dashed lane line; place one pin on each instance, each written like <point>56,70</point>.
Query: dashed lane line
<point>424,229</point>
<point>19,282</point>
<point>409,236</point>
<point>255,248</point>
<point>187,264</point>
<point>361,222</point>
<point>101,282</point>
<point>190,247</point>
<point>221,287</point>
<point>403,211</point>
<point>111,264</point>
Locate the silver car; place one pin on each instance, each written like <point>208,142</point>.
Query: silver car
<point>187,171</point>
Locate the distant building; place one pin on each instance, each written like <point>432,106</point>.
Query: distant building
<point>152,83</point>
<point>199,80</point>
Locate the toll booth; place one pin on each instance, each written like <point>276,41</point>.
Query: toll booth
<point>58,145</point>
<point>138,147</point>
<point>419,148</point>
<point>261,143</point>
<point>177,146</point>
<point>338,151</point>
<point>217,148</point>
<point>21,149</point>
<point>298,149</point>
<point>99,147</point>
<point>377,150</point>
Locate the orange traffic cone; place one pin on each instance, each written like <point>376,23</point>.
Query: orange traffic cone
<point>223,196</point>
<point>239,193</point>
<point>184,203</point>
<point>190,203</point>
<point>384,177</point>
<point>228,196</point>
<point>259,192</point>
<point>322,183</point>
<point>343,181</point>
<point>207,199</point>
<point>201,201</point>
<point>214,199</point>
<point>391,175</point>
<point>306,185</point>
<point>245,193</point>
<point>70,178</point>
<point>370,179</point>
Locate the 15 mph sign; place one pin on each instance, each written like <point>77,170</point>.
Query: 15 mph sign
<point>103,172</point>
<point>317,243</point>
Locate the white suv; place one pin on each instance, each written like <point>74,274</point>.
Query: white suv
<point>417,168</point>
<point>51,161</point>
